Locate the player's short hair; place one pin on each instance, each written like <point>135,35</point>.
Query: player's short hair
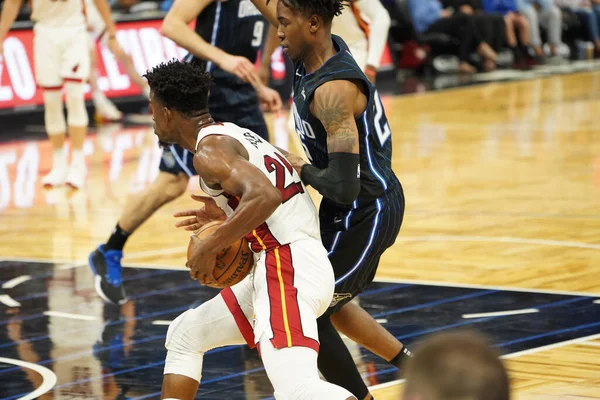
<point>326,9</point>
<point>456,365</point>
<point>180,86</point>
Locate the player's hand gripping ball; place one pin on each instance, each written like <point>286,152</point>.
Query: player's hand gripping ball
<point>232,264</point>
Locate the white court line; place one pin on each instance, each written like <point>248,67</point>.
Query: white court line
<point>69,315</point>
<point>497,239</point>
<point>485,287</point>
<point>597,301</point>
<point>161,322</point>
<point>9,301</point>
<point>15,281</point>
<point>48,377</point>
<point>501,313</point>
<point>509,356</point>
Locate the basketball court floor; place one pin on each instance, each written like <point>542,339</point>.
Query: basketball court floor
<point>501,234</point>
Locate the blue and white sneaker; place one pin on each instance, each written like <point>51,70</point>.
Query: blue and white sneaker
<point>106,266</point>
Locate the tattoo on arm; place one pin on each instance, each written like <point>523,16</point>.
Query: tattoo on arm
<point>337,117</point>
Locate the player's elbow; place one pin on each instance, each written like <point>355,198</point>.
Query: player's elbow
<point>169,27</point>
<point>345,193</point>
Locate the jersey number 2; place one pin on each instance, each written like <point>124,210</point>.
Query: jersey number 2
<point>279,165</point>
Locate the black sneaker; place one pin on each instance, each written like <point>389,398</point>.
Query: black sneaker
<point>106,266</point>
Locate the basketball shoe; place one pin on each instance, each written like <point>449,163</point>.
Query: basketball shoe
<point>108,282</point>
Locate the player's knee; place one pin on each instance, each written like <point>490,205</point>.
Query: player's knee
<point>174,185</point>
<point>54,117</point>
<point>76,112</point>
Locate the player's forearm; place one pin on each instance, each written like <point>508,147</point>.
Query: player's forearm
<point>255,207</point>
<point>339,182</point>
<point>179,32</point>
<point>270,45</point>
<point>104,10</point>
<point>10,10</point>
<point>268,10</point>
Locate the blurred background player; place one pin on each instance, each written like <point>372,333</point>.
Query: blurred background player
<point>105,110</point>
<point>456,365</point>
<point>227,38</point>
<point>62,59</point>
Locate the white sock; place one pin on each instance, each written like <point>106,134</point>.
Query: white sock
<point>98,97</point>
<point>58,158</point>
<point>77,157</point>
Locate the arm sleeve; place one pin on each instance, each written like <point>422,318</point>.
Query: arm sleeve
<point>379,26</point>
<point>339,182</point>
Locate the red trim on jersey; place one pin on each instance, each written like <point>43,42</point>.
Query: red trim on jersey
<point>262,239</point>
<point>75,80</point>
<point>285,319</point>
<point>50,87</point>
<point>238,315</point>
<point>363,25</point>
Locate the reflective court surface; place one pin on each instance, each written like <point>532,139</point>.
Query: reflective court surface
<point>501,234</point>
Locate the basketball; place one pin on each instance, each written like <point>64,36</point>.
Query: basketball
<point>233,263</point>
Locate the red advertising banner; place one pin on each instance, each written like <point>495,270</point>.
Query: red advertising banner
<point>141,39</point>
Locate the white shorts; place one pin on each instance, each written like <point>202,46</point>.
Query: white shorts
<point>290,287</point>
<point>96,26</point>
<point>360,52</point>
<point>60,54</point>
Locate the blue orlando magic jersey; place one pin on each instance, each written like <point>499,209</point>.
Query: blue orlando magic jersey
<point>375,142</point>
<point>234,26</point>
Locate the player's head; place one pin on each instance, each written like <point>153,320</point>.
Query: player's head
<point>304,24</point>
<point>452,366</point>
<point>178,92</point>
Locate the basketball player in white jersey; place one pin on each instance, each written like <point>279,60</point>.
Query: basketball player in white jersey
<point>105,109</point>
<point>259,196</point>
<point>61,59</point>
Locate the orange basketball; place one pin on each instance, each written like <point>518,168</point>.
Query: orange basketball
<point>233,263</point>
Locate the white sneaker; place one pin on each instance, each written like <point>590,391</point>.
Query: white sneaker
<point>56,177</point>
<point>106,110</point>
<point>76,176</point>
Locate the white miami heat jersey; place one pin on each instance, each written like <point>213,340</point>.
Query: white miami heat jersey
<point>58,13</point>
<point>296,218</point>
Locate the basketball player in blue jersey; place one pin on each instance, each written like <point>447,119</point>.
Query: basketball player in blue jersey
<point>229,55</point>
<point>345,133</point>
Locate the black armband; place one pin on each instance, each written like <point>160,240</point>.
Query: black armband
<point>339,182</point>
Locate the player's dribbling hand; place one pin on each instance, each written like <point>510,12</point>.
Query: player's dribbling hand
<point>202,216</point>
<point>269,98</point>
<point>202,261</point>
<point>241,67</point>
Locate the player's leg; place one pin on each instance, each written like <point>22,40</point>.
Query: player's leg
<point>294,284</point>
<point>355,242</point>
<point>212,324</point>
<point>176,167</point>
<point>75,70</point>
<point>47,73</point>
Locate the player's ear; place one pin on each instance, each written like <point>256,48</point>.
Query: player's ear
<point>167,113</point>
<point>314,23</point>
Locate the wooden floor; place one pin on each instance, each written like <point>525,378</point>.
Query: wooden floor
<point>502,185</point>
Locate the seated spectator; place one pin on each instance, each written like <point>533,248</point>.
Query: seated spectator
<point>515,21</point>
<point>459,365</point>
<point>429,16</point>
<point>491,26</point>
<point>549,17</point>
<point>584,11</point>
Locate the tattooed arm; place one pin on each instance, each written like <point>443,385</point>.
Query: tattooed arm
<point>335,104</point>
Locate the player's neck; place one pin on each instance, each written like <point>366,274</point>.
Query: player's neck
<point>317,55</point>
<point>191,128</point>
